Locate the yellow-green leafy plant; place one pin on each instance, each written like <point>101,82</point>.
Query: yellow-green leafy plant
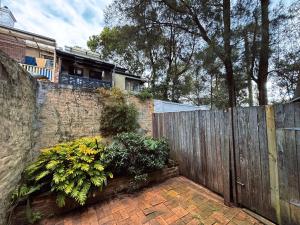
<point>70,169</point>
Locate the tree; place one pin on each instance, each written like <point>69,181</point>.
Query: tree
<point>297,91</point>
<point>167,54</point>
<point>189,50</point>
<point>192,14</point>
<point>264,54</point>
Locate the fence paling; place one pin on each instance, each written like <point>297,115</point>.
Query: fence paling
<point>255,150</point>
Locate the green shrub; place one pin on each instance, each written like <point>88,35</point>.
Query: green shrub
<point>117,118</point>
<point>133,154</point>
<point>69,169</point>
<point>144,95</point>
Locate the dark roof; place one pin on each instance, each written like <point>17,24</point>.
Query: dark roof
<point>73,56</point>
<point>125,73</point>
<point>28,33</point>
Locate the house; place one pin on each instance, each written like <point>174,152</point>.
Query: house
<point>83,68</point>
<point>75,66</point>
<point>35,53</point>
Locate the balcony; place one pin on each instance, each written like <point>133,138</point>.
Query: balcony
<point>83,82</point>
<point>37,71</point>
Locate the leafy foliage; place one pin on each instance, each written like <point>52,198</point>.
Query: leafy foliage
<point>117,116</point>
<point>22,191</point>
<point>162,40</point>
<point>145,94</point>
<point>31,216</point>
<point>133,154</point>
<point>70,169</point>
<point>73,169</point>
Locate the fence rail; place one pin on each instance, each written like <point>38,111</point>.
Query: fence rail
<point>251,156</point>
<point>83,82</point>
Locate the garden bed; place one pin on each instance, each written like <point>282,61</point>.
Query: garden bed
<point>46,203</point>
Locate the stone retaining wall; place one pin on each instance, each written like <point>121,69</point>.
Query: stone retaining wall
<point>35,115</point>
<point>17,123</point>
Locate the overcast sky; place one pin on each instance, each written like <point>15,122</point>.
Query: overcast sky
<point>70,22</point>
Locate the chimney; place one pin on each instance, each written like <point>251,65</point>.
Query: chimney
<point>6,17</point>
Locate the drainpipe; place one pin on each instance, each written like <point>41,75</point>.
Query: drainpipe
<point>113,76</point>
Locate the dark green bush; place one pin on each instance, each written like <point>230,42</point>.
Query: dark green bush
<point>144,94</point>
<point>117,116</point>
<point>133,154</point>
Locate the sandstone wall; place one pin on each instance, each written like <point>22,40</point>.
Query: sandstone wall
<point>36,115</point>
<point>17,116</point>
<point>65,113</point>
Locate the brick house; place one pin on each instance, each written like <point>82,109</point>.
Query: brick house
<point>35,53</point>
<point>40,56</point>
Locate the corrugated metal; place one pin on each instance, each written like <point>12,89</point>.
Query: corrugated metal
<point>164,106</point>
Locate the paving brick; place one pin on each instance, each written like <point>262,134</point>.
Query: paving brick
<point>176,201</point>
<point>180,212</point>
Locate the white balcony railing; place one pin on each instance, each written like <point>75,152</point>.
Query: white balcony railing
<point>37,71</point>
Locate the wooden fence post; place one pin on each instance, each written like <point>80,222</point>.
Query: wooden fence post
<point>273,161</point>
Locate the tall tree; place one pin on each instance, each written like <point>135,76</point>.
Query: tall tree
<point>264,54</point>
<point>227,53</point>
<point>204,17</point>
<point>238,42</point>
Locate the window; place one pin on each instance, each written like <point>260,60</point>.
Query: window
<point>78,71</point>
<point>132,85</point>
<point>48,57</point>
<point>96,75</point>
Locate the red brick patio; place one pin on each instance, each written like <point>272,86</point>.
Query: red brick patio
<point>176,201</point>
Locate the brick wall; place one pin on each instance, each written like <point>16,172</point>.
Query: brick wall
<point>13,47</point>
<point>17,116</point>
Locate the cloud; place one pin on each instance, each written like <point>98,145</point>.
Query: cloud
<point>70,22</point>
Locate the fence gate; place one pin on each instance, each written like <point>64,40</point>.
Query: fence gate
<point>252,160</point>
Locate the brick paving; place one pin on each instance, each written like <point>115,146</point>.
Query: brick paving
<point>177,201</point>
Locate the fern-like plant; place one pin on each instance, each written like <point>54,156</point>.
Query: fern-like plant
<point>70,169</point>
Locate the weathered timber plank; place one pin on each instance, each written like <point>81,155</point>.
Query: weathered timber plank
<point>213,152</point>
<point>245,182</point>
<point>196,148</point>
<point>255,161</point>
<point>282,162</point>
<point>226,157</point>
<point>292,166</point>
<point>273,166</point>
<point>203,148</point>
<point>297,125</point>
<point>234,133</point>
<point>218,115</point>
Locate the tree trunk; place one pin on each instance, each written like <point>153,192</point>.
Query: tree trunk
<point>297,91</point>
<point>264,54</point>
<point>249,72</point>
<point>227,54</point>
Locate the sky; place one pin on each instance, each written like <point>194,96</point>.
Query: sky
<point>70,22</point>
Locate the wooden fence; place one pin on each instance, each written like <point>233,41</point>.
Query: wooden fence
<point>251,156</point>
